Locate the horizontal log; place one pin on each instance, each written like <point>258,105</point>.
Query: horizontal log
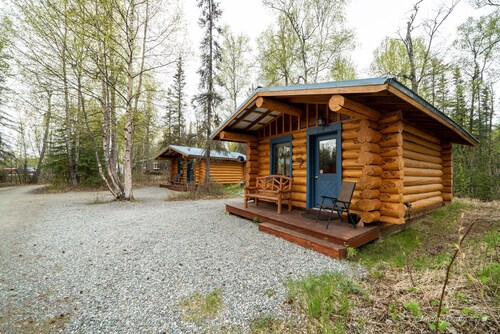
<point>299,165</point>
<point>409,154</point>
<point>392,220</point>
<point>414,131</point>
<point>284,108</point>
<point>391,140</point>
<point>370,193</point>
<point>299,188</point>
<point>351,125</point>
<point>368,158</point>
<point>392,174</point>
<point>370,182</point>
<point>420,149</point>
<point>299,135</point>
<point>417,197</point>
<point>299,142</point>
<point>426,188</point>
<point>396,127</point>
<point>391,117</point>
<point>447,197</point>
<point>296,196</point>
<point>352,172</point>
<point>392,163</point>
<point>426,202</point>
<point>372,170</point>
<point>420,180</point>
<point>299,180</point>
<point>299,173</point>
<point>397,210</point>
<point>422,172</point>
<point>341,104</point>
<point>396,151</point>
<point>263,160</point>
<point>421,141</point>
<point>393,186</point>
<point>351,163</point>
<point>410,163</point>
<point>237,137</point>
<point>299,204</point>
<point>393,198</point>
<point>370,216</point>
<point>352,144</point>
<point>350,134</point>
<point>350,154</point>
<point>447,189</point>
<point>369,204</point>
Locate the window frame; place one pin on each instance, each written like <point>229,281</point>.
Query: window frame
<point>274,142</point>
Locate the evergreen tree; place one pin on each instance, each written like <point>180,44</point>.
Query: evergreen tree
<point>208,99</point>
<point>175,121</point>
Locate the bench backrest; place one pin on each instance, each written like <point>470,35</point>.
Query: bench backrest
<point>274,183</point>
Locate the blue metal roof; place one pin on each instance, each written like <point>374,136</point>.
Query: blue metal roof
<point>200,152</point>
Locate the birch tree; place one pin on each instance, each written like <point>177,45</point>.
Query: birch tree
<point>321,34</point>
<point>234,67</point>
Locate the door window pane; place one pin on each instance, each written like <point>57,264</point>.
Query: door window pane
<point>281,158</point>
<point>328,156</point>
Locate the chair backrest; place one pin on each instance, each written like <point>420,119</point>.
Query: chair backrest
<point>346,191</point>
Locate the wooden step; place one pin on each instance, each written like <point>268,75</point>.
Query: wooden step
<point>322,246</point>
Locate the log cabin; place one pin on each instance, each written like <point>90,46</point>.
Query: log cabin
<point>189,164</point>
<point>396,146</point>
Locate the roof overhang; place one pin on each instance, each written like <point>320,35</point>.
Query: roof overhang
<point>379,94</point>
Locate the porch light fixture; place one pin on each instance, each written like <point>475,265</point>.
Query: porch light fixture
<point>321,121</point>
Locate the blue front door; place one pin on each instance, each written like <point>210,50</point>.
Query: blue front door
<point>325,166</point>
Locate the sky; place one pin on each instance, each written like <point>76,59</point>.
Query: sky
<point>372,20</point>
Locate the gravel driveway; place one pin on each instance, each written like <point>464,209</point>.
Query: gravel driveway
<point>70,266</point>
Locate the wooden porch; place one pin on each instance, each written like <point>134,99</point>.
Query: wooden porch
<point>300,227</point>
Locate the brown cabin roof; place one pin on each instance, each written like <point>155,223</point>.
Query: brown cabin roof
<point>381,94</point>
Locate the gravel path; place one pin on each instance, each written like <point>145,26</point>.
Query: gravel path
<point>67,265</point>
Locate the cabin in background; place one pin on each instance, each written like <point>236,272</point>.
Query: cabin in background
<point>188,165</point>
<point>376,132</point>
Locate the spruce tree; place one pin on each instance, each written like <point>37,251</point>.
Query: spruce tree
<point>208,98</point>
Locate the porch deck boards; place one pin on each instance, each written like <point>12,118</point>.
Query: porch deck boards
<point>292,226</point>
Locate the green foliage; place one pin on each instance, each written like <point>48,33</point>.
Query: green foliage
<point>416,240</point>
<point>414,308</point>
<point>324,299</point>
<point>442,325</point>
<point>490,275</point>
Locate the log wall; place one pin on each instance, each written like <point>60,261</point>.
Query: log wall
<point>423,170</point>
<point>221,171</point>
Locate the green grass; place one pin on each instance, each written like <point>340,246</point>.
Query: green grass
<point>424,245</point>
<point>200,307</point>
<point>324,299</point>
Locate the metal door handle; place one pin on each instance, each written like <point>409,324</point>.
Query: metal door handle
<point>316,176</point>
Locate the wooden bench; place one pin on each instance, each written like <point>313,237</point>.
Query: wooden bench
<point>271,188</point>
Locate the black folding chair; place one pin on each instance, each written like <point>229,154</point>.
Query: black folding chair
<point>340,204</point>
